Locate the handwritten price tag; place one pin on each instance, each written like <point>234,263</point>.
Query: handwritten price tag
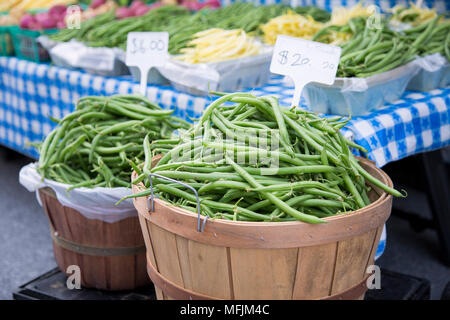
<point>146,50</point>
<point>305,61</point>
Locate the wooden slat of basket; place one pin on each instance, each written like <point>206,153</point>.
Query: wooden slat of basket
<point>214,280</point>
<point>351,261</point>
<point>315,267</point>
<point>276,266</point>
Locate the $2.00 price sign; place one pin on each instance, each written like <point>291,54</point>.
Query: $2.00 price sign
<point>146,50</point>
<point>305,61</point>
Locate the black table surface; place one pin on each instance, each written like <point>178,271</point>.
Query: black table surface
<point>52,286</point>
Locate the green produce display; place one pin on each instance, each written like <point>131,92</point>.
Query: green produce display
<point>180,23</point>
<point>316,175</point>
<point>106,31</point>
<point>86,26</point>
<point>101,142</point>
<point>371,50</point>
<point>316,13</point>
<point>250,17</point>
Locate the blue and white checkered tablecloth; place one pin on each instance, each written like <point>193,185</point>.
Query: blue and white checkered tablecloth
<point>29,92</point>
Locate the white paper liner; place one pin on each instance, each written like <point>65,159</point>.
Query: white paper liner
<point>95,203</point>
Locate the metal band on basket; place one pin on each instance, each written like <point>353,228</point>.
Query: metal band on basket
<point>84,249</point>
<point>151,206</point>
<point>95,251</point>
<point>175,291</point>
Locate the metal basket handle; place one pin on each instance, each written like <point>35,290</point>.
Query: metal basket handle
<point>151,207</point>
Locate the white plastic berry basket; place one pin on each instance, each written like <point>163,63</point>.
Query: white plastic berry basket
<point>230,75</point>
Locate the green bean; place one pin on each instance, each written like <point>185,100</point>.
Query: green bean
<point>265,203</point>
<point>70,171</point>
<point>87,183</point>
<point>67,152</point>
<point>447,47</point>
<point>141,109</point>
<point>147,152</point>
<point>233,194</point>
<point>200,176</point>
<point>253,139</point>
<point>426,33</point>
<point>114,150</point>
<point>388,67</point>
<point>224,184</point>
<point>65,177</point>
<point>284,135</point>
<point>375,181</point>
<point>94,115</point>
<point>369,52</point>
<point>292,202</point>
<point>231,125</point>
<point>292,170</point>
<point>249,112</point>
<point>276,201</point>
<point>299,185</point>
<point>50,155</point>
<point>323,193</point>
<point>44,148</point>
<point>115,128</point>
<point>252,152</point>
<point>207,113</point>
<point>213,204</point>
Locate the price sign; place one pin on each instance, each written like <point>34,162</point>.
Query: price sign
<point>146,50</point>
<point>305,61</point>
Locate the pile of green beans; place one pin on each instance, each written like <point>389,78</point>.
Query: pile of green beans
<point>106,31</point>
<point>430,37</point>
<point>316,175</point>
<point>238,15</point>
<point>371,50</point>
<point>249,17</point>
<point>115,33</point>
<point>101,142</point>
<point>65,35</point>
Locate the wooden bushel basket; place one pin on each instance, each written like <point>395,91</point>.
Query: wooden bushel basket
<point>262,260</point>
<point>111,256</point>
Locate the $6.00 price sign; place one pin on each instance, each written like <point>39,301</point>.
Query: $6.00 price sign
<point>305,61</point>
<point>147,46</point>
<point>146,50</point>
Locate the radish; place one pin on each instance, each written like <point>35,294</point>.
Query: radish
<point>45,21</point>
<point>136,4</point>
<point>61,24</point>
<point>57,11</point>
<point>194,6</point>
<point>41,16</point>
<point>97,3</point>
<point>27,21</point>
<point>140,11</point>
<point>49,23</point>
<point>213,4</point>
<point>155,5</point>
<point>124,12</point>
<point>197,6</point>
